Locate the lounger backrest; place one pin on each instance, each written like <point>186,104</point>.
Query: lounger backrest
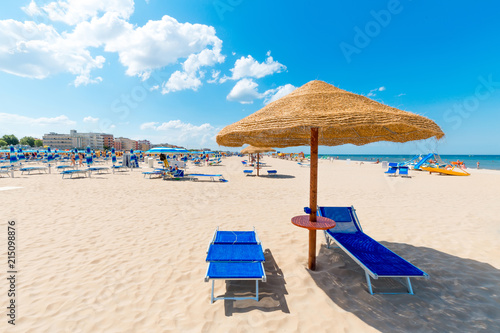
<point>344,218</point>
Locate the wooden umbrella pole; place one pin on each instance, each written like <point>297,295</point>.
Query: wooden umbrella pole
<point>258,166</point>
<point>313,197</point>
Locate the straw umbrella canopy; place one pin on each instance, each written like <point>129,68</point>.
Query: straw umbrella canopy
<point>320,114</point>
<point>256,150</point>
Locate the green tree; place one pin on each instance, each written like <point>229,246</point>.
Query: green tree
<point>28,140</point>
<point>38,143</point>
<point>10,139</point>
<point>3,143</point>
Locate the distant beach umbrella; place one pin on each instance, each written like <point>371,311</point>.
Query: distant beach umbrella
<point>20,155</point>
<point>256,150</point>
<point>113,156</point>
<point>13,157</point>
<point>49,155</point>
<point>320,114</point>
<point>88,157</point>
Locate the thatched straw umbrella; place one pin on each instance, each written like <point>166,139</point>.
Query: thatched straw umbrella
<point>319,113</point>
<point>256,150</point>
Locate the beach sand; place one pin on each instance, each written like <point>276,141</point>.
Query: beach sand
<point>121,253</point>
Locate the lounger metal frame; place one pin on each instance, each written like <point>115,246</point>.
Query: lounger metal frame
<point>369,273</point>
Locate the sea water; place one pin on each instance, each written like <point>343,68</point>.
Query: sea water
<point>470,161</point>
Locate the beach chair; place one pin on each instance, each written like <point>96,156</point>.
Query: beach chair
<point>235,255</point>
<point>6,170</point>
<point>29,170</point>
<point>376,260</point>
<point>195,176</point>
<point>272,172</point>
<point>156,172</point>
<point>247,172</point>
<point>305,165</point>
<point>174,175</point>
<point>76,172</point>
<point>393,169</point>
<point>403,171</point>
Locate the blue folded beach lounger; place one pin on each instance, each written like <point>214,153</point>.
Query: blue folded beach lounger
<point>376,260</point>
<point>235,255</point>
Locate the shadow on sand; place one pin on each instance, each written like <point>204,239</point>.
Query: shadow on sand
<point>273,176</point>
<point>271,293</point>
<point>461,294</point>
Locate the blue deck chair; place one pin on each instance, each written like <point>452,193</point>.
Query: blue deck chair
<point>272,172</point>
<point>175,174</point>
<point>235,255</point>
<point>393,169</point>
<point>247,172</point>
<point>376,260</point>
<point>403,171</point>
<point>38,169</point>
<point>75,172</point>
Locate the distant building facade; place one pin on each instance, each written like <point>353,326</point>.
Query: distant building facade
<point>95,141</point>
<point>143,145</point>
<point>108,140</point>
<point>73,140</point>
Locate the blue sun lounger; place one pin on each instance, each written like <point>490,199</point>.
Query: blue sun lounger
<point>75,172</point>
<point>393,169</point>
<point>29,170</point>
<point>195,176</point>
<point>376,260</point>
<point>235,255</point>
<point>156,172</point>
<point>403,171</point>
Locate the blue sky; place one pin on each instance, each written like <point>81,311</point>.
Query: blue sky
<point>179,71</point>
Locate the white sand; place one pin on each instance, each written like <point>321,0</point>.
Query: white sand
<point>120,253</point>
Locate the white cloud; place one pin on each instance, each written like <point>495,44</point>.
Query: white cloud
<point>275,94</point>
<point>151,125</point>
<point>215,76</point>
<point>11,119</point>
<point>32,9</point>
<point>373,91</point>
<point>180,81</point>
<point>40,50</point>
<point>90,119</point>
<point>73,12</point>
<point>244,92</point>
<point>180,133</point>
<point>249,67</point>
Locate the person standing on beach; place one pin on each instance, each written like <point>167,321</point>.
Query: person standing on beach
<point>73,163</point>
<point>478,164</point>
